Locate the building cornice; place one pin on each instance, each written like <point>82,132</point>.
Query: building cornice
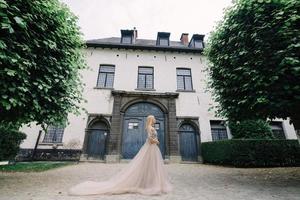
<point>146,94</point>
<point>145,47</point>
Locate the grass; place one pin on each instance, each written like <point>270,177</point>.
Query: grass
<point>33,166</point>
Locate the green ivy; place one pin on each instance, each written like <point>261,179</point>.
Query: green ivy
<point>254,60</point>
<point>40,59</point>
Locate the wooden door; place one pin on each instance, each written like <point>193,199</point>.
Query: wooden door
<point>96,143</point>
<point>134,133</point>
<point>188,143</point>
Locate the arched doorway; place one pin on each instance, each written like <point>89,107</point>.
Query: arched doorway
<point>134,133</point>
<point>188,142</point>
<point>96,144</point>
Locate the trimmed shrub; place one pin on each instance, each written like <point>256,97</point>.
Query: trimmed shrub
<point>251,129</point>
<point>252,153</point>
<point>10,140</point>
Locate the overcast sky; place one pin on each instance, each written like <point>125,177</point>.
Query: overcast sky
<point>105,18</point>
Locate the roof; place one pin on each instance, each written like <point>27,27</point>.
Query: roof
<point>141,44</point>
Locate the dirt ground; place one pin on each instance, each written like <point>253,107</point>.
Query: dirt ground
<point>190,181</point>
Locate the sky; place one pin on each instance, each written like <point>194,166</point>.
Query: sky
<point>105,18</point>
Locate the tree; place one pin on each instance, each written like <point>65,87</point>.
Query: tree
<point>251,129</point>
<point>40,60</point>
<point>254,56</point>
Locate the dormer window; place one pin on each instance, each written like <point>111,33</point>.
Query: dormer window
<point>198,44</point>
<point>126,39</point>
<point>126,36</point>
<point>197,41</point>
<point>163,39</point>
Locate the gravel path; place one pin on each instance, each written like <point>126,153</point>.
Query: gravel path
<point>191,181</point>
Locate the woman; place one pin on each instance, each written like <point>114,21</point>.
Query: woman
<point>145,174</point>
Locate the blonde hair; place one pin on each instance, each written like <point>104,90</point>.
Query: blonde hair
<point>150,120</point>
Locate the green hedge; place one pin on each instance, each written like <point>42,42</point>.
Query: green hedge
<point>10,141</point>
<point>252,153</point>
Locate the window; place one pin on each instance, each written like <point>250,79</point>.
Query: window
<point>126,39</point>
<point>106,76</point>
<point>163,41</point>
<point>145,78</point>
<point>133,125</point>
<point>277,130</point>
<point>197,41</point>
<point>198,44</point>
<point>54,134</point>
<point>218,130</point>
<point>156,125</point>
<point>184,79</point>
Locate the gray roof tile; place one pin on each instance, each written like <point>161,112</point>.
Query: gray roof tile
<point>114,42</point>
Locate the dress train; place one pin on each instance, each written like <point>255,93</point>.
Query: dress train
<point>144,174</point>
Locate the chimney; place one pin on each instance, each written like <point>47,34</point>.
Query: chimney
<point>184,39</point>
<point>135,34</point>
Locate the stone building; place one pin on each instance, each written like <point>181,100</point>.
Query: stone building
<point>128,79</point>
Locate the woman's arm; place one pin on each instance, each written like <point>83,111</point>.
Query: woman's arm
<point>154,141</point>
<point>152,138</point>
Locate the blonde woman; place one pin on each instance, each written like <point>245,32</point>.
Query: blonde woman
<point>150,129</point>
<point>145,173</point>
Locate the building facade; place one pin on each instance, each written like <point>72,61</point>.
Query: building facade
<point>128,79</point>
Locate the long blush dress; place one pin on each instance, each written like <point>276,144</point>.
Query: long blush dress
<point>144,174</point>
